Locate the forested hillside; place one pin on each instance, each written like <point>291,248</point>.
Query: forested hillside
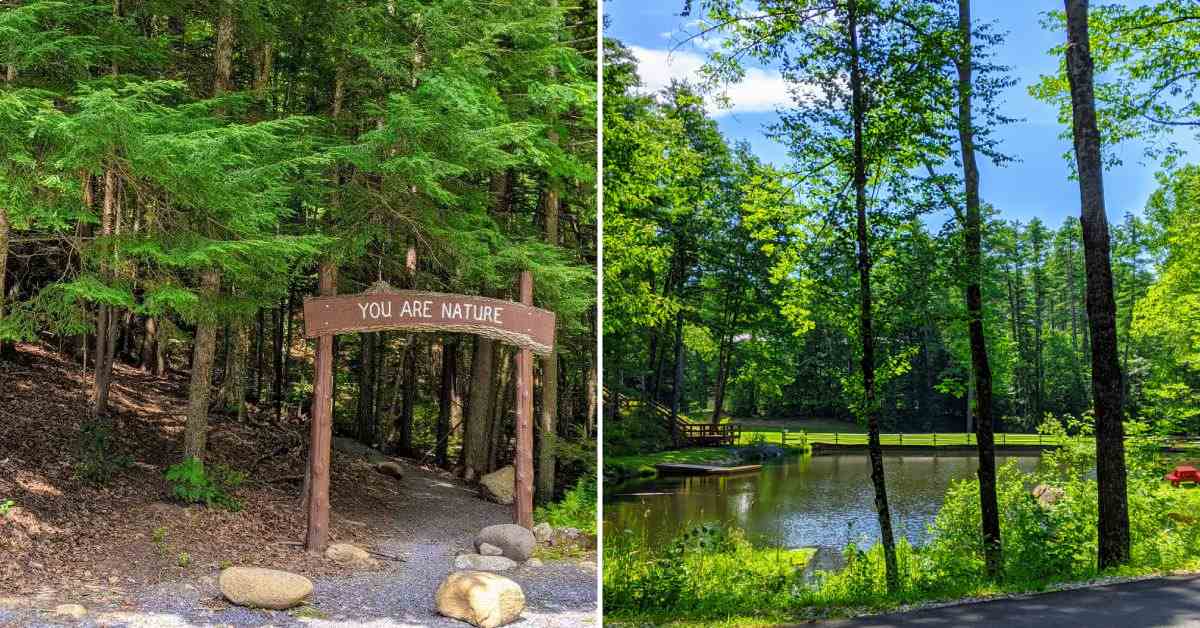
<point>174,173</point>
<point>741,277</point>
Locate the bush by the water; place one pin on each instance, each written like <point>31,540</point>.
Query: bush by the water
<point>707,571</point>
<point>710,574</point>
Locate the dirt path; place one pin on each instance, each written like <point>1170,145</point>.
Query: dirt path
<point>437,518</point>
<point>119,547</point>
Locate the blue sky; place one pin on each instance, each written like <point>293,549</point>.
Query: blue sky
<point>1035,186</point>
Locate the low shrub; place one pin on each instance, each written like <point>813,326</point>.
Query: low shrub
<point>191,483</point>
<point>96,460</point>
<point>577,509</point>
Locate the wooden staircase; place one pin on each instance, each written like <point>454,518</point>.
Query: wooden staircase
<point>691,434</point>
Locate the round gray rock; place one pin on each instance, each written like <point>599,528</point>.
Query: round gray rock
<point>515,542</point>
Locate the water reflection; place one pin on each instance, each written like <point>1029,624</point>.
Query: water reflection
<point>821,501</point>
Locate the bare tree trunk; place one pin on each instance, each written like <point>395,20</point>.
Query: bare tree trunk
<point>366,389</point>
<point>4,231</point>
<point>316,478</point>
<point>223,54</point>
<point>548,423</point>
<point>677,385</point>
<point>446,399</point>
<point>106,317</point>
<point>234,389</point>
<point>870,404</point>
<point>479,408</point>
<point>981,370</point>
<point>196,431</point>
<point>1114,544</point>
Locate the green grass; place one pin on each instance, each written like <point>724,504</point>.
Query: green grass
<point>642,465</point>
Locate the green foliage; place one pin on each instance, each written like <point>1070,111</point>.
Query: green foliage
<point>577,508</point>
<point>192,484</point>
<point>6,507</point>
<point>1044,544</point>
<point>707,572</point>
<point>96,453</point>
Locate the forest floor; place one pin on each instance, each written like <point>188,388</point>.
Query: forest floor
<point>132,557</point>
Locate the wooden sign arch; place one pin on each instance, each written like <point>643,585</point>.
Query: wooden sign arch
<point>516,323</point>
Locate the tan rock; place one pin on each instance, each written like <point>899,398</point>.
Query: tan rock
<point>349,554</point>
<point>390,468</point>
<point>498,485</point>
<point>543,532</point>
<point>74,611</point>
<point>264,588</point>
<point>487,549</point>
<point>480,598</point>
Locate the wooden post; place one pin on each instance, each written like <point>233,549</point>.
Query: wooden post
<point>523,495</point>
<point>322,427</point>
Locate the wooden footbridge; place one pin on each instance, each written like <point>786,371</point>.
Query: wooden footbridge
<point>690,433</point>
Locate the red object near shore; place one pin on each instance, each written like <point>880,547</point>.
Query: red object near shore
<point>1183,473</point>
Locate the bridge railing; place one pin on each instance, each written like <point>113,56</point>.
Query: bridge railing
<point>932,439</point>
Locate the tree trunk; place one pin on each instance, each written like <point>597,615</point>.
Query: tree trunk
<point>446,400</point>
<point>223,53</point>
<point>722,376</point>
<point>548,419</point>
<point>981,370</point>
<point>105,319</point>
<point>234,389</point>
<point>870,404</point>
<point>523,489</point>
<point>4,231</point>
<point>408,398</point>
<point>366,389</point>
<point>316,479</point>
<point>196,431</point>
<point>677,385</point>
<point>479,408</point>
<point>259,344</point>
<point>277,354</point>
<point>1114,544</point>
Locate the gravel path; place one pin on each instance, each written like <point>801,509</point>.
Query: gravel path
<point>440,518</point>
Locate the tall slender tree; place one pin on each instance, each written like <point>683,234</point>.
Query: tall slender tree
<point>1114,545</point>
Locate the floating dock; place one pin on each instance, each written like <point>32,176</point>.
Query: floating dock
<point>667,468</point>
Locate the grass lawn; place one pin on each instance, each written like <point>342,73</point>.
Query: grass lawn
<point>642,465</point>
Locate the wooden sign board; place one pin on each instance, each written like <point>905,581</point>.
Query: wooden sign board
<point>507,321</point>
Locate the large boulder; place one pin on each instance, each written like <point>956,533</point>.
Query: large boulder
<point>480,598</point>
<point>349,554</point>
<point>479,562</point>
<point>498,485</point>
<point>514,541</point>
<point>264,588</point>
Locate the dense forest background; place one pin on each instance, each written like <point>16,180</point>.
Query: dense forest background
<point>172,174</point>
<point>735,280</point>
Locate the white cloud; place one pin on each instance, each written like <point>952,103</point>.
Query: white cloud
<point>761,90</point>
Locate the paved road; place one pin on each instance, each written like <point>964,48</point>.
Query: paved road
<point>1173,601</point>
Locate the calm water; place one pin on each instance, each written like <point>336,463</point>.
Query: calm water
<point>821,501</point>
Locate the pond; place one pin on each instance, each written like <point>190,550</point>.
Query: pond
<point>807,501</point>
